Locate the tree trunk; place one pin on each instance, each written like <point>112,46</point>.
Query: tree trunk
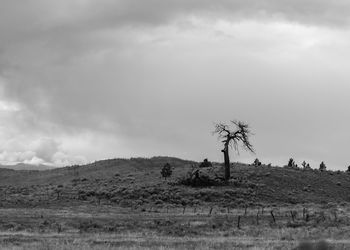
<point>227,163</point>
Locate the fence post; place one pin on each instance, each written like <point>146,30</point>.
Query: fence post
<point>211,210</point>
<point>273,217</point>
<point>293,214</point>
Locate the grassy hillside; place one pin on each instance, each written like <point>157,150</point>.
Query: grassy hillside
<point>98,170</point>
<point>125,204</point>
<point>137,182</point>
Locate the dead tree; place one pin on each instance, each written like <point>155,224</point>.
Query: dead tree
<point>232,137</point>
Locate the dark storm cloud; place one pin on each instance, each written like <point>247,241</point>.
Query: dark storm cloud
<point>32,17</point>
<point>315,12</point>
<point>156,12</point>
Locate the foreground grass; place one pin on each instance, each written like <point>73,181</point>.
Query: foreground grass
<point>107,227</point>
<point>106,242</point>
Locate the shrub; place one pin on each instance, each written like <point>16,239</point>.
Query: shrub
<point>323,166</point>
<point>205,164</point>
<point>199,178</point>
<point>256,163</point>
<point>87,226</point>
<point>306,166</point>
<point>348,171</point>
<point>292,164</point>
<point>166,171</point>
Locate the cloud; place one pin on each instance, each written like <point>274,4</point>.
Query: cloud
<point>68,22</point>
<point>312,12</point>
<point>109,14</point>
<point>123,78</point>
<point>63,159</point>
<point>45,148</point>
<point>24,138</point>
<point>30,150</point>
<point>10,157</point>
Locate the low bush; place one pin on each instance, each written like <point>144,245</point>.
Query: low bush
<point>201,178</point>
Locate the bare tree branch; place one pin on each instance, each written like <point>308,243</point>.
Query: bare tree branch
<point>232,138</point>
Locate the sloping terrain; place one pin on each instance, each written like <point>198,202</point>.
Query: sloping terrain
<point>24,166</point>
<point>137,182</point>
<point>105,169</point>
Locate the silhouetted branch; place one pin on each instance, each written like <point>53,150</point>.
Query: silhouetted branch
<point>232,138</point>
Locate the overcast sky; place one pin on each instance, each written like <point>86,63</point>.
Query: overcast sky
<point>84,80</point>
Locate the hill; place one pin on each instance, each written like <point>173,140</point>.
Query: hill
<point>103,169</point>
<point>137,182</point>
<point>23,166</point>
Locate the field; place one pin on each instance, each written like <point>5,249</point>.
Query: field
<point>109,227</point>
<point>125,204</point>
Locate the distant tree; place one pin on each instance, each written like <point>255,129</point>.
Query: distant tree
<point>303,164</point>
<point>231,137</point>
<point>291,163</point>
<point>323,166</point>
<point>256,162</point>
<point>348,169</point>
<point>306,166</point>
<point>166,171</point>
<point>205,164</point>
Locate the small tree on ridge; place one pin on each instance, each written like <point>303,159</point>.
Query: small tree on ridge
<point>323,166</point>
<point>256,162</point>
<point>291,163</point>
<point>304,164</point>
<point>348,170</point>
<point>166,171</point>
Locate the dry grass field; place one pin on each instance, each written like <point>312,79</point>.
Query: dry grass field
<point>110,227</point>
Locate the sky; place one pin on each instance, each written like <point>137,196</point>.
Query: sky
<point>85,80</point>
